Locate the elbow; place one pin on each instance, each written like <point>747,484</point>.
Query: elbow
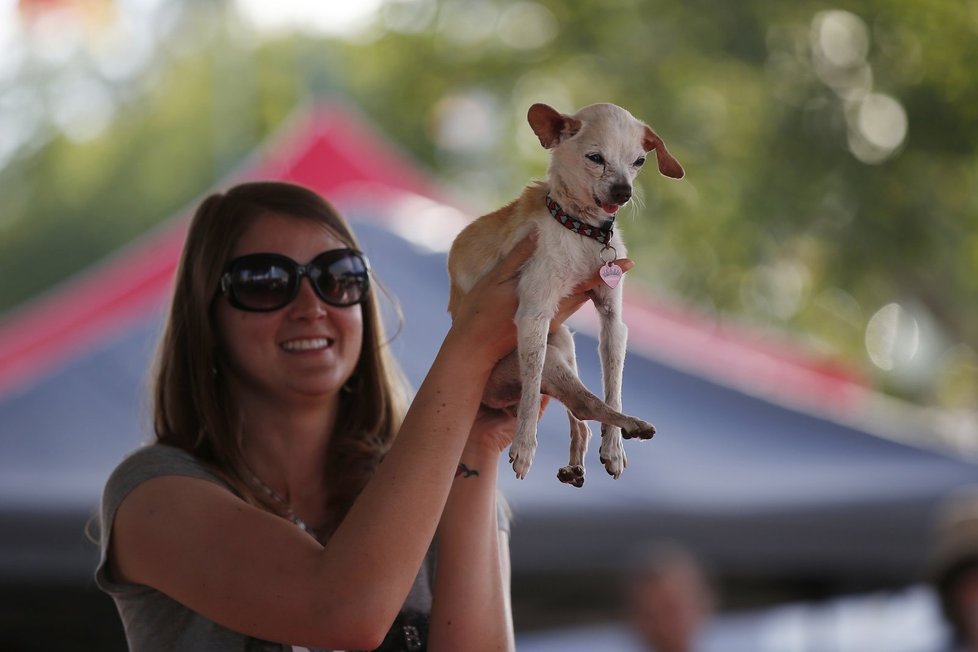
<point>352,620</point>
<point>360,638</point>
<point>363,632</point>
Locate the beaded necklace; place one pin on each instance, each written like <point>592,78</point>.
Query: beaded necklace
<point>289,513</point>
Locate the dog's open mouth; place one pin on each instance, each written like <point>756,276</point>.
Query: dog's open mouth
<point>610,209</point>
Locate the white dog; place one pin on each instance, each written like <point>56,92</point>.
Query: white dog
<point>595,155</point>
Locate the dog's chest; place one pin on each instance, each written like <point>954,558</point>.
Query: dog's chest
<point>574,258</point>
<point>564,259</point>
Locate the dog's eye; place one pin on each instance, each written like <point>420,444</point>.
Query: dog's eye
<point>595,158</point>
<point>639,162</point>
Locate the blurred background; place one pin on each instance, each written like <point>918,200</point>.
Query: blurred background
<point>827,230</point>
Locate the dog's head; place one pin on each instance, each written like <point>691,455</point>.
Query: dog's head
<point>595,155</point>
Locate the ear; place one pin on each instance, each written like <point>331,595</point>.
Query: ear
<point>668,166</point>
<point>551,126</point>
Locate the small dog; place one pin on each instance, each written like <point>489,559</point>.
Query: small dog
<point>595,155</point>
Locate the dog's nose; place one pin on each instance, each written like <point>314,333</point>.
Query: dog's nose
<point>621,193</point>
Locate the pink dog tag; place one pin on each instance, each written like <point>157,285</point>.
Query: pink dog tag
<point>611,274</point>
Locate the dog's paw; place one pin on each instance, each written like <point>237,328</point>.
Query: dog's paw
<point>571,474</point>
<point>521,463</point>
<point>612,453</point>
<point>638,430</point>
<point>521,457</point>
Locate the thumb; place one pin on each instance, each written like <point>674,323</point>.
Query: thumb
<point>625,264</point>
<point>595,279</point>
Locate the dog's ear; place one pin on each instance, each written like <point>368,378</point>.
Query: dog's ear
<point>551,126</point>
<point>668,165</point>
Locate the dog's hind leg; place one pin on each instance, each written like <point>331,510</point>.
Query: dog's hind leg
<point>561,381</point>
<point>580,434</point>
<point>561,365</point>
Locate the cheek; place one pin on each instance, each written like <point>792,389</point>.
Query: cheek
<point>347,325</point>
<point>587,175</point>
<point>352,324</point>
<point>224,329</point>
<point>236,333</point>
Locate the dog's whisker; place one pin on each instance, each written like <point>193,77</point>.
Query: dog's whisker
<point>637,205</point>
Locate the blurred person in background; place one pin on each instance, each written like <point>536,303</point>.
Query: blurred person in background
<point>954,569</point>
<point>291,497</point>
<point>669,602</point>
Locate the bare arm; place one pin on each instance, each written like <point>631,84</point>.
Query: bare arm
<point>471,608</point>
<point>256,573</point>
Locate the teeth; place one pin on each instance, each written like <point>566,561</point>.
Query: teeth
<point>306,345</point>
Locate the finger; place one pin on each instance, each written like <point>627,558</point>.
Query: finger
<point>595,279</point>
<point>571,303</point>
<point>580,295</point>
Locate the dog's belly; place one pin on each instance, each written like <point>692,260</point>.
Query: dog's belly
<point>503,388</point>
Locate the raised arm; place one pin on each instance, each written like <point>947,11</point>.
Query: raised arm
<point>471,608</point>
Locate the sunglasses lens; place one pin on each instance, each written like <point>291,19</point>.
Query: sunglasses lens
<point>265,282</point>
<point>340,277</point>
<point>261,283</point>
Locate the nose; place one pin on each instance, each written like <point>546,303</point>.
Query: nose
<point>621,193</point>
<point>306,304</point>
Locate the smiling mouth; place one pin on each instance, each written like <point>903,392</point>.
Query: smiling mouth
<point>311,344</point>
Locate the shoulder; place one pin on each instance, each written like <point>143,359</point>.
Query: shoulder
<point>156,460</point>
<point>138,467</point>
<point>151,462</point>
<point>159,455</point>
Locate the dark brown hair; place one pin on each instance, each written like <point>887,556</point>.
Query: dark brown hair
<point>193,410</point>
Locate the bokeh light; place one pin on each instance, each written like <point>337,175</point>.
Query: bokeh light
<point>878,127</point>
<point>527,25</point>
<point>840,38</point>
<point>892,337</point>
<point>315,16</point>
<point>466,123</point>
<point>877,122</point>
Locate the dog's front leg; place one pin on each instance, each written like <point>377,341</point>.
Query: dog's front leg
<point>611,348</point>
<point>531,328</point>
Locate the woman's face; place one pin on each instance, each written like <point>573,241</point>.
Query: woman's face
<point>308,349</point>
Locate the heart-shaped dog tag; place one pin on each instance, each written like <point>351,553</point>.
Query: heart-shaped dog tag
<point>611,275</point>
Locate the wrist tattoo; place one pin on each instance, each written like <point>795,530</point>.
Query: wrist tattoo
<point>465,471</point>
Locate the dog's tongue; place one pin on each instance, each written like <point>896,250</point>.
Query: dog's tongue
<point>610,209</point>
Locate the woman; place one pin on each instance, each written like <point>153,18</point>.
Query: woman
<point>263,512</point>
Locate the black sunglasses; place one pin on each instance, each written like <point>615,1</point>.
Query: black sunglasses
<point>266,282</point>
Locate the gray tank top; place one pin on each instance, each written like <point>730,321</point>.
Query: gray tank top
<point>152,620</point>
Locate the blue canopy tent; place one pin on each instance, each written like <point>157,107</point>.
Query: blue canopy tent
<point>745,470</point>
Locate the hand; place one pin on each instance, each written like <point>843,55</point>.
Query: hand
<point>494,429</point>
<point>571,303</point>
